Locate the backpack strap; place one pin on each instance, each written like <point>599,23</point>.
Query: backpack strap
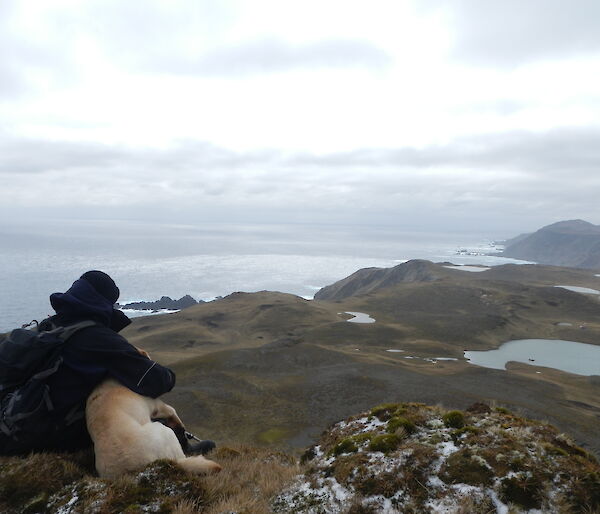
<point>65,333</point>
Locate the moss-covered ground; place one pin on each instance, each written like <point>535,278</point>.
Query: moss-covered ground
<point>492,461</point>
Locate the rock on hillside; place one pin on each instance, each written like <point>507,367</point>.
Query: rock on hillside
<point>369,279</point>
<point>411,457</point>
<point>574,243</point>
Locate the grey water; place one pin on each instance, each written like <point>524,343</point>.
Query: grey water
<point>570,356</point>
<point>206,260</point>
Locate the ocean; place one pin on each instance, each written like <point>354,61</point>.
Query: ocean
<point>206,260</point>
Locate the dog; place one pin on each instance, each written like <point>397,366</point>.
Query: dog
<point>126,438</point>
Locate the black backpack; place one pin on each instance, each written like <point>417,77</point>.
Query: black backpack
<point>27,359</point>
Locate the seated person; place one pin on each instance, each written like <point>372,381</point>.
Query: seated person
<point>89,356</point>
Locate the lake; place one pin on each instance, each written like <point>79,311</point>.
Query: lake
<point>570,356</point>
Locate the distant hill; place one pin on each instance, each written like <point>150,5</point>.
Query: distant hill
<point>574,243</point>
<point>367,280</point>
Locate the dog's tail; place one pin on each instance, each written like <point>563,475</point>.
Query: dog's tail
<point>198,465</point>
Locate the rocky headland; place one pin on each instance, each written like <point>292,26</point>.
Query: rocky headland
<point>574,243</point>
<point>165,302</point>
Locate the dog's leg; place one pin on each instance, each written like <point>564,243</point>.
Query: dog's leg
<point>168,416</point>
<point>167,413</point>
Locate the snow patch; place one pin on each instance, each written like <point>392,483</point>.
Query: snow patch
<point>447,448</point>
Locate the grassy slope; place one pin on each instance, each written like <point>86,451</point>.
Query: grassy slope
<point>274,369</point>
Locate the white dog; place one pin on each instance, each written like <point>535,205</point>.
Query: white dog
<point>125,437</point>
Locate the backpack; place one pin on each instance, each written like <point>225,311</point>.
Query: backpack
<point>27,359</point>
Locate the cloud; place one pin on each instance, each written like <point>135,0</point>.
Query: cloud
<point>555,171</point>
<point>31,60</point>
<point>274,56</point>
<point>31,156</point>
<point>201,39</point>
<point>565,149</point>
<point>509,33</point>
<point>11,83</point>
<point>574,150</point>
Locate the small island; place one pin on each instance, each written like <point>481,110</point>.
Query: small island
<point>165,302</point>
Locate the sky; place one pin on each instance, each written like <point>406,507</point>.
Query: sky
<point>425,114</point>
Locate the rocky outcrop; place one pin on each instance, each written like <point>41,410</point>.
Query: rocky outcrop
<point>574,243</point>
<point>367,280</point>
<point>164,303</point>
<point>411,457</point>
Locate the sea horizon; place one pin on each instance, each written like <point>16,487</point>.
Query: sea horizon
<point>206,260</point>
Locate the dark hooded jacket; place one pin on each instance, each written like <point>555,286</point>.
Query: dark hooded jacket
<point>92,355</point>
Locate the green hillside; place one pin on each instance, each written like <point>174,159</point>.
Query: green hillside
<point>273,369</point>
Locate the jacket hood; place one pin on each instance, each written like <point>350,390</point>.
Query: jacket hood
<point>82,301</point>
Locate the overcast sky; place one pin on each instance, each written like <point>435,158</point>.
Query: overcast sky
<point>424,113</point>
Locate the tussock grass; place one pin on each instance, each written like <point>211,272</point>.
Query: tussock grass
<point>67,483</point>
<point>250,478</point>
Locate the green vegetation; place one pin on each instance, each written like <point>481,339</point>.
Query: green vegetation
<point>464,431</point>
<point>384,443</point>
<point>345,446</point>
<point>454,419</point>
<point>399,422</point>
<point>385,411</point>
<point>466,467</point>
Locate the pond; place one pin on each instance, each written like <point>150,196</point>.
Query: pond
<point>360,317</point>
<point>472,269</point>
<point>577,289</point>
<point>570,356</point>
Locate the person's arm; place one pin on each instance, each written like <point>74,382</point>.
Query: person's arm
<point>129,366</point>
